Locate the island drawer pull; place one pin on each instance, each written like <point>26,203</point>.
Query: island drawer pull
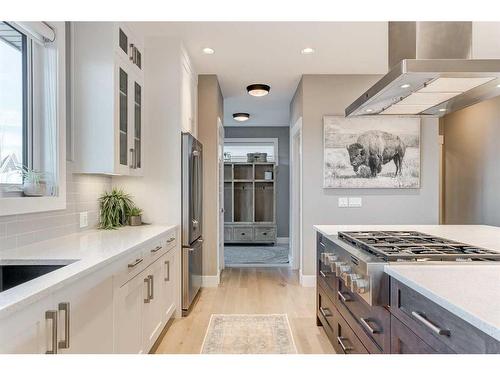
<point>326,312</point>
<point>171,239</point>
<point>343,297</point>
<point>364,323</point>
<point>344,347</point>
<point>426,322</point>
<point>64,306</point>
<point>52,315</point>
<point>322,274</point>
<point>137,261</point>
<point>157,248</point>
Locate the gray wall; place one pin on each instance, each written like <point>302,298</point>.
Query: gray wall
<point>210,108</point>
<point>472,170</point>
<point>329,95</point>
<point>283,175</point>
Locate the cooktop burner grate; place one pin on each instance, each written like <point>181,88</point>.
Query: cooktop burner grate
<point>410,245</point>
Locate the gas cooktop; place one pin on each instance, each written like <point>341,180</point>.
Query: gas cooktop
<point>415,246</point>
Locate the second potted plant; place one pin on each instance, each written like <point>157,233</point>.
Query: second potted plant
<point>135,216</point>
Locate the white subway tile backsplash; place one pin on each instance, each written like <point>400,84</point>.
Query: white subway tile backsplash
<point>83,192</point>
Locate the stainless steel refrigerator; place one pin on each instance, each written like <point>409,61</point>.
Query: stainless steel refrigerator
<point>192,210</point>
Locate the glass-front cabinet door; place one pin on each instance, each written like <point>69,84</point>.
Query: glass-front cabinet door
<point>137,127</point>
<point>123,117</point>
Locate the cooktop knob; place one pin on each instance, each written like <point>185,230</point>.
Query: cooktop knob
<point>337,266</point>
<point>349,278</point>
<point>330,259</point>
<point>343,271</point>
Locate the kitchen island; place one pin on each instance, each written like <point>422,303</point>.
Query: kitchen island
<point>462,295</point>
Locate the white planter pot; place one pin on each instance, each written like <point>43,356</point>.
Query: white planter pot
<point>34,190</point>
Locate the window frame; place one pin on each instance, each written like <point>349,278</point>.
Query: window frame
<point>12,205</point>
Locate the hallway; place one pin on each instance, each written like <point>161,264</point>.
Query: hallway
<point>251,291</point>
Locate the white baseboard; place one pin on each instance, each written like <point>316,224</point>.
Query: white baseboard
<point>210,281</point>
<point>282,240</point>
<point>307,281</point>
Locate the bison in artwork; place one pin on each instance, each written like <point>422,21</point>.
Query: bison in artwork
<point>374,148</point>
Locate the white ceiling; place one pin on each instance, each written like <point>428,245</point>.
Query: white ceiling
<point>269,52</point>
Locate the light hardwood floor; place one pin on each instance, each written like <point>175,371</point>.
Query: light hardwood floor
<point>251,291</point>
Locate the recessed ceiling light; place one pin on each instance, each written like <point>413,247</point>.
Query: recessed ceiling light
<point>498,85</point>
<point>405,86</point>
<point>258,89</point>
<point>208,51</point>
<point>369,110</point>
<point>241,116</point>
<point>307,51</point>
<point>442,109</point>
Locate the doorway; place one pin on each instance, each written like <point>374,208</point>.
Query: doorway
<point>296,195</point>
<point>256,183</point>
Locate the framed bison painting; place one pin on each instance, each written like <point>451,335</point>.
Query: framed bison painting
<point>371,152</point>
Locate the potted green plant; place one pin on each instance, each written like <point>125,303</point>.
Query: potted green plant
<point>114,208</point>
<point>33,184</point>
<point>135,216</point>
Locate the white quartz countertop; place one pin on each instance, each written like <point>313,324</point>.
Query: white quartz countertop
<point>87,251</point>
<point>470,291</point>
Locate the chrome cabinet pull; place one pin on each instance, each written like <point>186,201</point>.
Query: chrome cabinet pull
<point>132,158</point>
<point>152,295</point>
<point>426,322</point>
<point>64,306</point>
<point>341,340</point>
<point>52,316</point>
<point>326,312</point>
<point>343,297</point>
<point>364,323</point>
<point>157,248</point>
<point>322,274</point>
<point>171,239</point>
<point>167,263</point>
<point>147,299</point>
<point>131,53</point>
<point>136,262</point>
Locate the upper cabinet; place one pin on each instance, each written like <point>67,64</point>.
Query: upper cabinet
<point>108,93</point>
<point>189,96</point>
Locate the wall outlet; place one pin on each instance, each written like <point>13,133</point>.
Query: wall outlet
<point>355,202</point>
<point>343,202</point>
<point>84,219</point>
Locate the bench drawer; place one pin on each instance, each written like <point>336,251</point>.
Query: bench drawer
<point>265,234</point>
<point>228,233</point>
<point>243,234</point>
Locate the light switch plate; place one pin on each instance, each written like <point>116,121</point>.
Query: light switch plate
<point>84,219</point>
<point>343,202</point>
<point>355,202</point>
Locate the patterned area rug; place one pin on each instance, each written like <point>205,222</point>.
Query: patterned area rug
<point>248,334</point>
<point>235,255</point>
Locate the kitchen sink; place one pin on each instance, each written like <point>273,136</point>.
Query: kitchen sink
<point>13,273</point>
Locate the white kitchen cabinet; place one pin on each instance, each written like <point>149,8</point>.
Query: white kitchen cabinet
<point>29,331</point>
<point>85,316</point>
<point>128,305</point>
<point>189,96</point>
<point>107,105</point>
<point>153,318</point>
<point>169,284</point>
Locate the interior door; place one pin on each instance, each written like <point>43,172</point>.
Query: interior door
<point>220,156</point>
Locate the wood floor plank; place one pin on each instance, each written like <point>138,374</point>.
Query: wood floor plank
<point>250,291</point>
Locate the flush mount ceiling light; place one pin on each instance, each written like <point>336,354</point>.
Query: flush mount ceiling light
<point>208,51</point>
<point>405,86</point>
<point>369,110</point>
<point>442,109</point>
<point>258,89</point>
<point>307,51</point>
<point>241,116</point>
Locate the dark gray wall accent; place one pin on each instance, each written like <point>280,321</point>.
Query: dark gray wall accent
<point>283,175</point>
<point>472,174</point>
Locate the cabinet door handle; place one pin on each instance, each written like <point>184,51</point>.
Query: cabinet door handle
<point>147,299</point>
<point>137,261</point>
<point>131,52</point>
<point>64,306</point>
<point>426,322</point>
<point>364,323</point>
<point>322,274</point>
<point>342,340</point>
<point>52,316</point>
<point>325,311</point>
<point>157,248</point>
<point>167,263</point>
<point>171,239</point>
<point>343,297</point>
<point>152,295</point>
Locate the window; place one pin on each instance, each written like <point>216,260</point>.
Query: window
<point>236,149</point>
<point>13,104</point>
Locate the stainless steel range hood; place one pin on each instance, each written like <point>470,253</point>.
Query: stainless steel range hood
<point>432,72</point>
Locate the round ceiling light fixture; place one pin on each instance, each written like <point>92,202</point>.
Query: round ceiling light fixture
<point>307,51</point>
<point>405,86</point>
<point>241,116</point>
<point>258,89</point>
<point>208,51</point>
<point>442,109</point>
<point>369,110</point>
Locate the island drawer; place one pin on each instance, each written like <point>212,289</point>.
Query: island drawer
<point>438,327</point>
<point>404,341</point>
